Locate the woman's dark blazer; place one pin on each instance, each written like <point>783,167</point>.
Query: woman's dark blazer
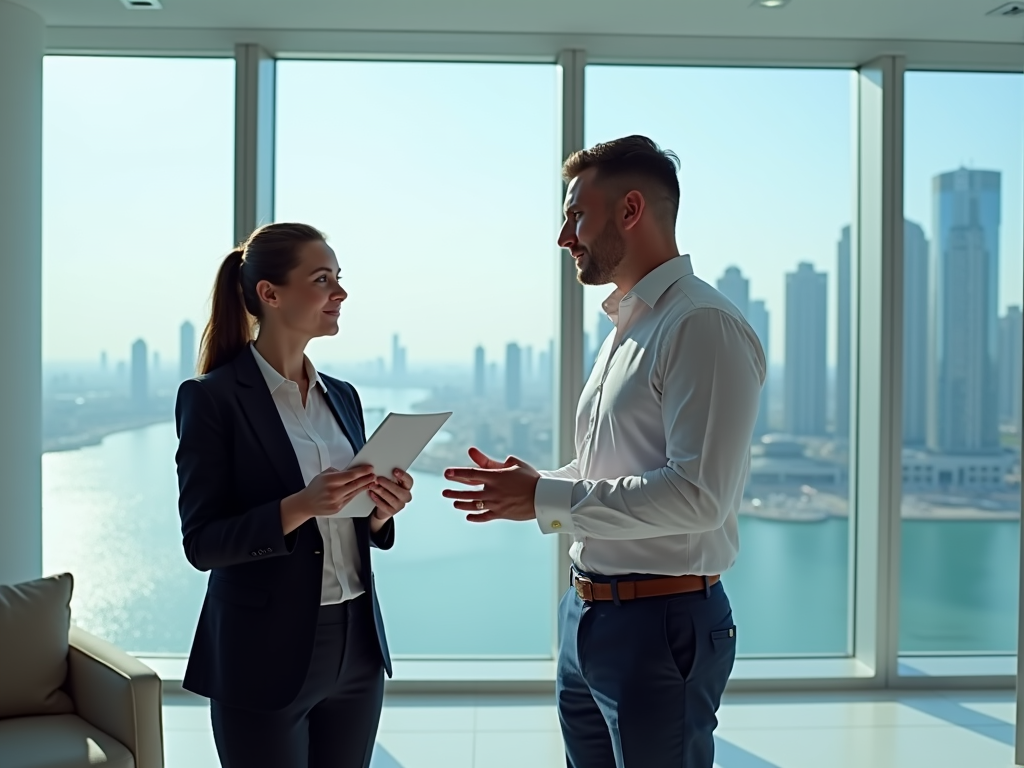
<point>235,463</point>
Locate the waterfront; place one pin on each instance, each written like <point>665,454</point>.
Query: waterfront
<point>110,518</point>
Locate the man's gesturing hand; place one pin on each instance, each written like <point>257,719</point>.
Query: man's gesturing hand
<point>507,488</point>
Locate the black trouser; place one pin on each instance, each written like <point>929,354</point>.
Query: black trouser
<point>639,683</point>
<point>333,721</point>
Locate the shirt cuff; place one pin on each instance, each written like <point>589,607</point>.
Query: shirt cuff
<point>552,500</point>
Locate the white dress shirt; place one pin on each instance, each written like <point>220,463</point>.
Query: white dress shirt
<point>663,434</point>
<point>319,443</point>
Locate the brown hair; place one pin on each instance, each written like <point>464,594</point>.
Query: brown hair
<point>269,253</point>
<point>632,159</point>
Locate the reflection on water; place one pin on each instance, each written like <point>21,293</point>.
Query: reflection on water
<point>450,587</point>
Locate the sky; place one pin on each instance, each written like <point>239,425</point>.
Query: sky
<point>437,185</point>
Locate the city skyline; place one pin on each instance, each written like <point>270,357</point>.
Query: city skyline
<point>762,210</point>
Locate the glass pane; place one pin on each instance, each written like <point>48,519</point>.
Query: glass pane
<point>963,280</point>
<point>438,187</point>
<point>137,213</point>
<point>766,200</point>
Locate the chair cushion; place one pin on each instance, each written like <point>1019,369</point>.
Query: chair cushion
<point>34,620</point>
<point>59,741</point>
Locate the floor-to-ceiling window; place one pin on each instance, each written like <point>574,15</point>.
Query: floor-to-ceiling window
<point>137,212</point>
<point>765,213</point>
<point>963,281</point>
<point>438,186</point>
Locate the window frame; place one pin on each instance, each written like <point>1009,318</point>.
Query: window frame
<point>876,315</point>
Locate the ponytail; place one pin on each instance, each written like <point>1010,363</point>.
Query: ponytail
<point>230,328</point>
<point>270,253</point>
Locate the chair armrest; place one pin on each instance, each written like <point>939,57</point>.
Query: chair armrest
<point>118,694</point>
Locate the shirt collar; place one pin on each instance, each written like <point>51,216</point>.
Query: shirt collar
<point>652,286</point>
<point>275,379</point>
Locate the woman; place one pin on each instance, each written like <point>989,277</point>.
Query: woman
<point>290,646</point>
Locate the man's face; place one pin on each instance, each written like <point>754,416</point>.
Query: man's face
<point>590,232</point>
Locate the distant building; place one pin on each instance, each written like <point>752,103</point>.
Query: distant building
<point>963,409</point>
<point>103,361</point>
<point>925,470</point>
<point>736,288</point>
<point>758,319</point>
<point>528,371</point>
<point>843,356</point>
<point>915,334</point>
<point>545,373</point>
<point>140,372</point>
<point>781,461</point>
<point>1011,342</point>
<point>806,323</point>
<point>187,351</point>
<point>398,359</point>
<point>513,377</point>
<point>479,372</point>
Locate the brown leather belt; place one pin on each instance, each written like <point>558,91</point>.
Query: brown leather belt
<point>589,591</point>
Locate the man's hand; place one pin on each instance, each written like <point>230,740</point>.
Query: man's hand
<point>507,493</point>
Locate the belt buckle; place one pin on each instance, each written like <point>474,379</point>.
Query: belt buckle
<point>583,587</point>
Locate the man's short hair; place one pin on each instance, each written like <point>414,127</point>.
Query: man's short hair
<point>636,162</point>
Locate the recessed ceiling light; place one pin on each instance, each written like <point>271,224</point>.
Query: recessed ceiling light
<point>771,3</point>
<point>142,5</point>
<point>1008,9</point>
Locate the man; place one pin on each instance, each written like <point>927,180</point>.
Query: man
<point>663,430</point>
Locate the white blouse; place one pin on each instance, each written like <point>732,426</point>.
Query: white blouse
<point>319,444</point>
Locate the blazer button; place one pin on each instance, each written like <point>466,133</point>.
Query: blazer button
<point>317,552</point>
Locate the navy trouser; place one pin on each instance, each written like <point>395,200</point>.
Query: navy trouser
<point>333,721</point>
<point>639,683</point>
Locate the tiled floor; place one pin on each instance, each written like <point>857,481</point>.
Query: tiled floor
<point>795,731</point>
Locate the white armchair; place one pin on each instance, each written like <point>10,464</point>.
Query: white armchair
<point>104,711</point>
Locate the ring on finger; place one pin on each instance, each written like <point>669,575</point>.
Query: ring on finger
<point>480,506</point>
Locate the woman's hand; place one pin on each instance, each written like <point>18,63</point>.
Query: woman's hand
<point>390,496</point>
<point>326,494</point>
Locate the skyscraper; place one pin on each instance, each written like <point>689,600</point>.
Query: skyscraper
<point>964,343</point>
<point>1011,341</point>
<point>513,377</point>
<point>187,355</point>
<point>843,371</point>
<point>736,288</point>
<point>758,320</point>
<point>528,364</point>
<point>479,372</point>
<point>140,372</point>
<point>915,334</point>
<point>398,367</point>
<point>545,372</point>
<point>806,323</point>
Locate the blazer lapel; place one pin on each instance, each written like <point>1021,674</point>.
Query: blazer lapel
<point>344,412</point>
<point>261,411</point>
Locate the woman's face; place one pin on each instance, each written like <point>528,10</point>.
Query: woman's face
<point>309,303</point>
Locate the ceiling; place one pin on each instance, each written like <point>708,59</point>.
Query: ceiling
<point>933,20</point>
